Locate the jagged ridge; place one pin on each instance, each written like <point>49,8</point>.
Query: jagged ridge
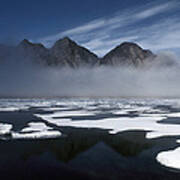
<point>66,52</point>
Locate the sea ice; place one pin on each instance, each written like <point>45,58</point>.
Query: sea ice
<point>170,158</point>
<point>5,129</point>
<point>37,135</point>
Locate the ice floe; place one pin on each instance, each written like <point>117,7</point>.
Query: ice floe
<point>70,113</point>
<point>5,129</point>
<point>8,109</point>
<point>120,112</point>
<point>37,135</point>
<point>170,158</point>
<point>36,130</point>
<point>57,117</point>
<point>119,124</point>
<point>55,108</point>
<point>36,127</point>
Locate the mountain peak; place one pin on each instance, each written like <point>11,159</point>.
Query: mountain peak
<point>127,53</point>
<point>70,53</point>
<point>25,42</point>
<point>66,38</point>
<point>64,42</point>
<point>128,44</point>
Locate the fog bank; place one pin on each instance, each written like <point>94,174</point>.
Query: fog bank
<point>20,78</point>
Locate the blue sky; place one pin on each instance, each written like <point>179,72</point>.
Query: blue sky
<point>99,25</point>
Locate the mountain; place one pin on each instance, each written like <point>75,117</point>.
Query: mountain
<point>70,54</point>
<point>67,53</point>
<point>127,54</point>
<point>34,52</point>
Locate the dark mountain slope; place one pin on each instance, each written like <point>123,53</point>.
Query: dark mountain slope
<point>127,54</point>
<point>70,54</point>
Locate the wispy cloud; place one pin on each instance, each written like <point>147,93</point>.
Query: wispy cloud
<point>156,10</point>
<point>75,31</point>
<point>139,24</point>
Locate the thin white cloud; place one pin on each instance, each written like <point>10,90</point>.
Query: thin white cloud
<point>103,34</point>
<point>164,35</point>
<point>78,30</point>
<point>156,10</point>
<point>86,28</point>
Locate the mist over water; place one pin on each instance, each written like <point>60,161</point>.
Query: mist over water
<point>20,78</point>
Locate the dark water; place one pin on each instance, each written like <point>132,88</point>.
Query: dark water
<point>85,153</point>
